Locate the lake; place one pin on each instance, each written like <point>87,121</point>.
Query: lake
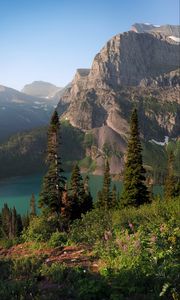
<point>17,191</point>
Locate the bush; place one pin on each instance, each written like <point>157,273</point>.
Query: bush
<point>57,239</point>
<point>91,227</point>
<point>39,229</point>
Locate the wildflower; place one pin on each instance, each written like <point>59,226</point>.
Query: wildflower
<point>131,226</point>
<point>153,238</point>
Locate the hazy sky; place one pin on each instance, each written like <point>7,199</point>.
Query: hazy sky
<point>49,39</point>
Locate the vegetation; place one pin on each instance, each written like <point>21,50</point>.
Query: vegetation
<point>120,249</point>
<point>54,181</point>
<point>135,191</point>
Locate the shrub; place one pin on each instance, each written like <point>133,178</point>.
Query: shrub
<point>39,229</point>
<point>57,239</point>
<point>91,227</point>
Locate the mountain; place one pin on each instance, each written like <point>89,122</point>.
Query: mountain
<point>41,89</point>
<point>136,68</point>
<point>171,31</point>
<point>20,112</point>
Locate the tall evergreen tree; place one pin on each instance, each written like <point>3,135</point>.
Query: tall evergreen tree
<point>135,191</point>
<point>54,181</point>
<point>80,196</point>
<point>114,199</point>
<point>32,206</point>
<point>104,196</point>
<point>87,203</point>
<point>76,192</point>
<point>170,182</point>
<point>11,222</point>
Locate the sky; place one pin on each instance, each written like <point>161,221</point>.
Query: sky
<point>49,39</point>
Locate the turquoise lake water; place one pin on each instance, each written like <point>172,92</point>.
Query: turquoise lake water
<point>17,191</point>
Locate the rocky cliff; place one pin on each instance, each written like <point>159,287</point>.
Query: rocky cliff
<point>134,68</point>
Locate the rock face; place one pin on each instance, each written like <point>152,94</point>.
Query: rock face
<point>139,67</point>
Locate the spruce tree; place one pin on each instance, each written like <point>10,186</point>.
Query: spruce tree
<point>76,192</point>
<point>54,181</point>
<point>87,202</point>
<point>114,202</point>
<point>80,196</point>
<point>32,206</point>
<point>105,196</point>
<point>170,182</point>
<point>135,191</point>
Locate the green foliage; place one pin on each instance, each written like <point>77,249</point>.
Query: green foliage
<point>135,191</point>
<point>104,199</point>
<point>88,140</point>
<point>91,227</point>
<point>170,188</point>
<point>76,282</point>
<point>54,181</point>
<point>57,239</point>
<point>79,194</point>
<point>40,229</point>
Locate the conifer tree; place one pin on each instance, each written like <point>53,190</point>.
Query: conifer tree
<point>54,181</point>
<point>135,191</point>
<point>32,206</point>
<point>76,192</point>
<point>87,203</point>
<point>114,202</point>
<point>66,205</point>
<point>170,183</point>
<point>11,222</point>
<point>105,196</point>
<point>80,196</point>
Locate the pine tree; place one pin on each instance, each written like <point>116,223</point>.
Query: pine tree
<point>87,202</point>
<point>54,181</point>
<point>80,196</point>
<point>76,192</point>
<point>114,202</point>
<point>105,196</point>
<point>170,183</point>
<point>11,222</point>
<point>135,191</point>
<point>32,206</point>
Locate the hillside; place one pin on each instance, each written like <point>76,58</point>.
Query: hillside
<point>24,153</point>
<point>20,112</point>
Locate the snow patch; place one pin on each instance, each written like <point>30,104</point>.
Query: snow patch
<point>174,38</point>
<point>157,26</point>
<point>37,102</point>
<point>19,101</point>
<point>36,107</point>
<point>166,140</point>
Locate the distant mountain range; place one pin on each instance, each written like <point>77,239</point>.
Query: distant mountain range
<point>20,112</point>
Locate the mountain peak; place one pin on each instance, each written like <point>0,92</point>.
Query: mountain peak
<point>41,89</point>
<point>167,30</point>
